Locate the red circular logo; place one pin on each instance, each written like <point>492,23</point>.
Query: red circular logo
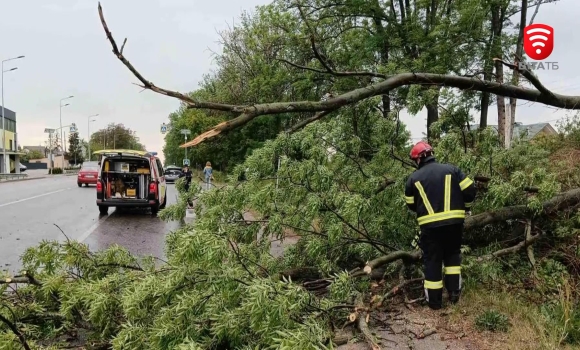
<point>538,41</point>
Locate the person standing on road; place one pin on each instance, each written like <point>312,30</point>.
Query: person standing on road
<point>440,195</point>
<point>208,175</point>
<point>187,174</point>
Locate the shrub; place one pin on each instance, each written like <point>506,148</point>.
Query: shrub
<point>55,171</point>
<point>493,321</point>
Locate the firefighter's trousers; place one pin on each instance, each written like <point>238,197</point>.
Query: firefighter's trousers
<point>441,246</point>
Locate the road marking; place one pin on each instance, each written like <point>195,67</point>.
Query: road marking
<point>33,197</point>
<point>92,228</point>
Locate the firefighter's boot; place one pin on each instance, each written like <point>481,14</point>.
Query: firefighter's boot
<point>454,296</point>
<point>434,294</point>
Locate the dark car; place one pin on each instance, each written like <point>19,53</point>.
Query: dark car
<point>172,174</point>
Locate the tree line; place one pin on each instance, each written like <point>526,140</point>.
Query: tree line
<point>315,50</point>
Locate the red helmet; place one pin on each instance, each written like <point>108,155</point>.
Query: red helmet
<point>420,149</point>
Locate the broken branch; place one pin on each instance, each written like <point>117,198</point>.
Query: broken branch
<point>502,252</point>
<point>16,332</point>
<point>303,123</point>
<point>363,326</point>
<point>528,75</point>
<point>146,84</point>
<point>560,202</point>
<point>248,112</point>
<point>557,203</point>
<point>393,82</point>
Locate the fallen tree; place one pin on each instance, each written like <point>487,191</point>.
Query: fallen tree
<point>84,266</point>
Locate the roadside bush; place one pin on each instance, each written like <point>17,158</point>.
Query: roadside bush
<point>492,321</point>
<point>55,171</point>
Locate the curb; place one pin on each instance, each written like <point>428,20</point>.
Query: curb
<point>29,179</point>
<point>36,178</point>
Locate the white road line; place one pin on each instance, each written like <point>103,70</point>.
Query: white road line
<point>92,228</point>
<point>33,197</point>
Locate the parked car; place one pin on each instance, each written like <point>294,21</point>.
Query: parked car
<point>172,173</point>
<point>129,178</point>
<point>88,174</point>
<point>22,167</point>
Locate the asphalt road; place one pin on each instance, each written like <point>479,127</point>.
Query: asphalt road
<point>29,211</point>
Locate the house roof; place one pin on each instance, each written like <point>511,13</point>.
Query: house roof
<point>35,148</point>
<point>532,129</point>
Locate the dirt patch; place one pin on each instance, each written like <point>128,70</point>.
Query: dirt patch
<point>420,328</point>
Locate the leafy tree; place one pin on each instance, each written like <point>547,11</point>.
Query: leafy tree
<point>35,155</point>
<point>75,154</point>
<point>115,136</point>
<point>30,155</point>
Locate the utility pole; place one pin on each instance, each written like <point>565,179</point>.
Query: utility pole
<point>73,130</point>
<point>185,132</point>
<point>61,128</point>
<point>50,132</point>
<point>508,126</point>
<point>89,120</point>
<point>3,165</point>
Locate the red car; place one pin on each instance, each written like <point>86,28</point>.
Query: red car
<point>88,174</point>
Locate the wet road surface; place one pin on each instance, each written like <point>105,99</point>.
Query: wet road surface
<point>29,211</point>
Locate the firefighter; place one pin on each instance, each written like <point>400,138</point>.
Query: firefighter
<point>440,194</point>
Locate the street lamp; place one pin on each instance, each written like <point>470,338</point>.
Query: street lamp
<point>89,120</point>
<point>2,168</point>
<point>60,116</point>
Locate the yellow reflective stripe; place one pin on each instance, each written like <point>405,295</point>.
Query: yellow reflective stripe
<point>410,200</point>
<point>452,214</point>
<point>424,197</point>
<point>468,205</point>
<point>433,285</point>
<point>465,183</point>
<point>452,270</point>
<point>447,196</point>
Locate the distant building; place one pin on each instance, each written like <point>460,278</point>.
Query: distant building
<point>10,146</point>
<point>528,132</point>
<point>41,149</point>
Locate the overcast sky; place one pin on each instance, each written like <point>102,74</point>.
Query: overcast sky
<point>169,41</point>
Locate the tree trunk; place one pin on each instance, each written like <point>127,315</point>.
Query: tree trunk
<point>500,105</point>
<point>485,99</point>
<point>517,59</point>
<point>432,116</point>
<point>497,52</point>
<point>384,52</point>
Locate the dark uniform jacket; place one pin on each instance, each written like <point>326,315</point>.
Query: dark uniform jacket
<point>187,175</point>
<point>439,194</point>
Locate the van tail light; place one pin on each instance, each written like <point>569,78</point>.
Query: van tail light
<point>99,186</point>
<point>152,187</point>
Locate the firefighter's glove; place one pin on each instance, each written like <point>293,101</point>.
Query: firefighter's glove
<point>415,242</point>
